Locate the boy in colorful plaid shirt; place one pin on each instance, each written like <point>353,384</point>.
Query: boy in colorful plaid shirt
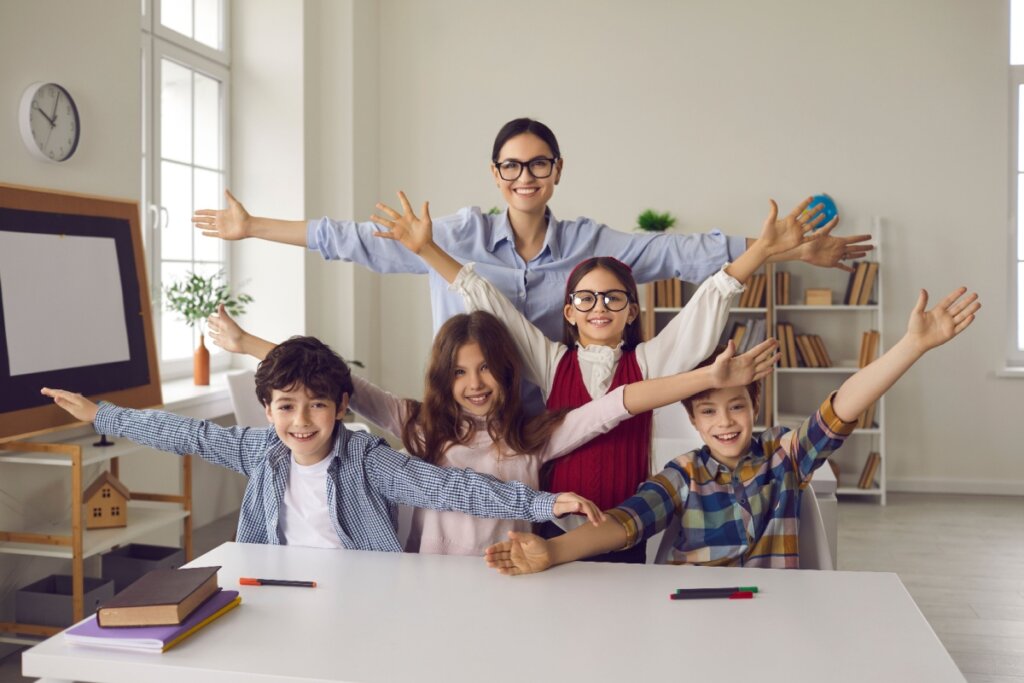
<point>738,497</point>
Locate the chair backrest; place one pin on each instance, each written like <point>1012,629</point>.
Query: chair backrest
<point>249,412</point>
<point>812,543</point>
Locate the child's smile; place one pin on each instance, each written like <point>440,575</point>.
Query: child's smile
<point>725,420</point>
<point>474,388</point>
<point>304,423</point>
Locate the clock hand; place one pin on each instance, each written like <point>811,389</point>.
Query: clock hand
<point>40,110</point>
<point>56,101</point>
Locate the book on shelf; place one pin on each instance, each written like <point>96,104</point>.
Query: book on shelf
<point>782,288</point>
<point>821,350</point>
<point>162,597</point>
<point>791,345</point>
<point>806,352</point>
<point>867,475</point>
<point>856,283</point>
<point>868,287</point>
<point>736,334</point>
<point>869,342</point>
<point>754,291</point>
<point>780,336</point>
<point>151,638</point>
<point>755,334</point>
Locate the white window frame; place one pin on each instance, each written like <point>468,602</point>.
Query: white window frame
<point>159,43</point>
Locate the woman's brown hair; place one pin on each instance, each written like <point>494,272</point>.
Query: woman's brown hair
<point>438,421</point>
<point>633,334</point>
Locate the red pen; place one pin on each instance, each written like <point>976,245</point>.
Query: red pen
<point>245,581</point>
<point>737,595</point>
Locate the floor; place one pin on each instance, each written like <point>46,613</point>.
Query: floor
<point>970,587</point>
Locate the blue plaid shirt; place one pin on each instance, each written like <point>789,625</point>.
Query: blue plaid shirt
<point>365,479</point>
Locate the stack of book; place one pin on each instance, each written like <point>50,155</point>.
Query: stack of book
<point>156,612</point>
<point>668,293</point>
<point>754,293</point>
<point>861,284</point>
<point>782,288</point>
<point>869,343</point>
<point>801,350</point>
<point>867,475</point>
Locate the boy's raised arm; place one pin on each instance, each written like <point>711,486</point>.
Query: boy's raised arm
<point>526,553</point>
<point>925,330</point>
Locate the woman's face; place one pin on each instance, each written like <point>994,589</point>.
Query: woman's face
<point>526,193</point>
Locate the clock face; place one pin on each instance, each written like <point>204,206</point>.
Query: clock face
<point>49,122</point>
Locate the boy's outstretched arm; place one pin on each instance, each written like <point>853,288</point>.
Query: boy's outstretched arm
<point>417,235</point>
<point>235,223</point>
<point>779,236</point>
<point>229,335</point>
<point>527,554</point>
<point>79,406</point>
<point>728,370</point>
<point>926,330</point>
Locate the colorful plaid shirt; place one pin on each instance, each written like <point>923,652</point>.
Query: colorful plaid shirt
<point>743,517</point>
<point>364,480</point>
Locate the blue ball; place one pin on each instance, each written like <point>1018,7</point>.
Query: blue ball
<point>828,208</point>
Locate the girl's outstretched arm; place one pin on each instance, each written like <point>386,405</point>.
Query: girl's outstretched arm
<point>526,553</point>
<point>925,331</point>
<point>229,335</point>
<point>416,233</point>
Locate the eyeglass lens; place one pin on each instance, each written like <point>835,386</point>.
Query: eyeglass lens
<point>614,300</point>
<point>541,167</point>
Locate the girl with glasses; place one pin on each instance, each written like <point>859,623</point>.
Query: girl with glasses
<point>602,346</point>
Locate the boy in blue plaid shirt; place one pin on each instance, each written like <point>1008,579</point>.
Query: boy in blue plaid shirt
<point>737,499</point>
<point>312,481</point>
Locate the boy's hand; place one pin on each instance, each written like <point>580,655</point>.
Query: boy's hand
<point>730,370</point>
<point>231,223</point>
<point>570,503</point>
<point>778,236</point>
<point>413,232</point>
<point>953,315</point>
<point>522,554</point>
<point>224,331</point>
<point>79,406</point>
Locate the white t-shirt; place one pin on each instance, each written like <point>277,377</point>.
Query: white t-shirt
<point>305,519</point>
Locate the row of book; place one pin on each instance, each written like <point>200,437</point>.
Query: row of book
<point>861,284</point>
<point>156,612</point>
<point>753,295</point>
<point>748,334</point>
<point>782,279</point>
<point>801,350</point>
<point>868,473</point>
<point>668,293</point>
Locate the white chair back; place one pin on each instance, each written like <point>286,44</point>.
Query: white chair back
<point>249,412</point>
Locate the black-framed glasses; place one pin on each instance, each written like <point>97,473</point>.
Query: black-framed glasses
<point>540,167</point>
<point>584,300</point>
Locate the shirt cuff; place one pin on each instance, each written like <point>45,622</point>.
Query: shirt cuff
<point>542,508</point>
<point>833,422</point>
<point>734,246</point>
<point>628,523</point>
<point>726,284</point>
<point>105,418</point>
<point>311,226</point>
<point>466,274</point>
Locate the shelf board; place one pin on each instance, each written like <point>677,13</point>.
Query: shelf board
<point>146,516</point>
<point>676,309</point>
<point>854,491</point>
<point>840,366</point>
<point>90,454</point>
<point>833,307</point>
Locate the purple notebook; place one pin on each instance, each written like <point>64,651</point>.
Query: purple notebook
<point>151,638</point>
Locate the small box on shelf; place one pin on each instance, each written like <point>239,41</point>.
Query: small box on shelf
<point>47,602</point>
<point>818,297</point>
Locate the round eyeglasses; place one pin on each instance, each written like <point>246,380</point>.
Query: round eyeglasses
<point>540,167</point>
<point>584,300</point>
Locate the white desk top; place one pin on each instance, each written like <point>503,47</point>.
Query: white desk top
<point>392,617</point>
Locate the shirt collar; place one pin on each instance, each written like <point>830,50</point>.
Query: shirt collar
<point>501,230</point>
<point>714,468</point>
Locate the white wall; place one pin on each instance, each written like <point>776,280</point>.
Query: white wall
<point>707,109</point>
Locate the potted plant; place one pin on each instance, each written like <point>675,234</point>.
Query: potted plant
<point>652,221</point>
<point>195,298</point>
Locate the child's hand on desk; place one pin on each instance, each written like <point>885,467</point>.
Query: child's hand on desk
<point>412,231</point>
<point>570,503</point>
<point>953,315</point>
<point>730,370</point>
<point>79,406</point>
<point>231,223</point>
<point>522,554</point>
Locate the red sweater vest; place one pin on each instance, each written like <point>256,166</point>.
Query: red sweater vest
<point>607,469</point>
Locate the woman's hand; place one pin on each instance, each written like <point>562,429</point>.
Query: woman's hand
<point>413,232</point>
<point>79,406</point>
<point>778,236</point>
<point>572,504</point>
<point>730,370</point>
<point>522,554</point>
<point>231,223</point>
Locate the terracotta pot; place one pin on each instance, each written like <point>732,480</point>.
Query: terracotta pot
<point>201,364</point>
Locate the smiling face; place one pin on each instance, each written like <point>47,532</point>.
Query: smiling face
<point>474,388</point>
<point>526,193</point>
<point>305,423</point>
<point>599,325</point>
<point>725,420</point>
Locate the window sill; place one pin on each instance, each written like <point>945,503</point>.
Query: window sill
<point>183,397</point>
<point>1010,373</point>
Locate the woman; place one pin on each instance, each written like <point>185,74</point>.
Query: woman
<point>526,252</point>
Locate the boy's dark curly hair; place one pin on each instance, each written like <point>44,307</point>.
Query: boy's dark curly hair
<point>305,361</point>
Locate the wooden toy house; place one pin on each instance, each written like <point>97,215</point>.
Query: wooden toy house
<point>106,503</point>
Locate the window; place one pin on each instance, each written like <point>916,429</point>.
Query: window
<point>186,77</point>
<point>1015,344</point>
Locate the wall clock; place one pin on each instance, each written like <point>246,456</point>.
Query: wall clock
<point>49,124</point>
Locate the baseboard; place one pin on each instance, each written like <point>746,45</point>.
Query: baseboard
<point>990,487</point>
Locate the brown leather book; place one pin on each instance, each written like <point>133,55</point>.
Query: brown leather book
<point>869,283</point>
<point>162,597</point>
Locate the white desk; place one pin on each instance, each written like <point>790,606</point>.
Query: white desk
<point>392,617</point>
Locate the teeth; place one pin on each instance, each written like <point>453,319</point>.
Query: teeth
<point>303,436</point>
<point>727,437</point>
<point>525,190</point>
